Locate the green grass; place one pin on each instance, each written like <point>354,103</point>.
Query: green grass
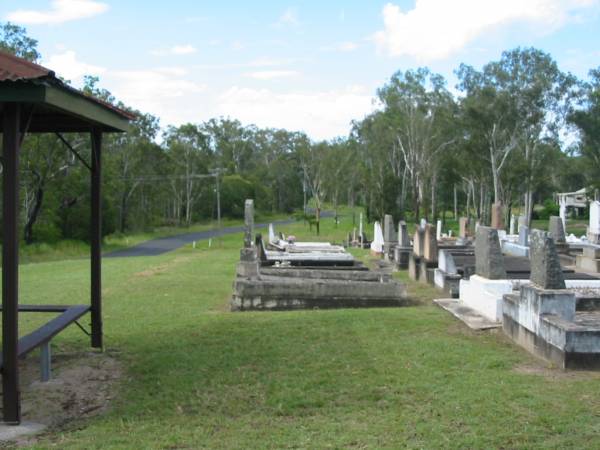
<point>198,376</point>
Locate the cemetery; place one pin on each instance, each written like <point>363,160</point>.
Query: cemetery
<point>286,275</point>
<point>267,226</point>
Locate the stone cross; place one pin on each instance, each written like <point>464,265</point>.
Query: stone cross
<point>489,261</point>
<point>545,264</point>
<point>248,223</point>
<point>403,239</point>
<point>388,229</point>
<point>497,219</point>
<point>524,235</point>
<point>557,230</point>
<point>430,248</point>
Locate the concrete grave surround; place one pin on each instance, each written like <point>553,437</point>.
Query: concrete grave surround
<point>546,271</point>
<point>485,295</point>
<point>557,230</point>
<point>489,262</point>
<point>589,260</point>
<point>497,216</point>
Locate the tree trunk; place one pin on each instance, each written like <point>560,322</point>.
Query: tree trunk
<point>37,206</point>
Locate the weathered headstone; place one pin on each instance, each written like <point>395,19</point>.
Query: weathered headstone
<point>419,241</point>
<point>497,216</point>
<point>594,228</point>
<point>512,224</point>
<point>438,230</point>
<point>389,231</point>
<point>546,272</point>
<point>524,235</point>
<point>463,227</point>
<point>403,239</point>
<point>248,223</point>
<point>521,222</point>
<point>430,248</point>
<point>556,229</point>
<point>489,261</point>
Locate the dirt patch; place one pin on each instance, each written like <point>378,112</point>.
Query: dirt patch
<point>547,370</point>
<point>156,270</point>
<point>82,386</point>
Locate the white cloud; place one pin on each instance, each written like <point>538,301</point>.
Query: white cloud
<point>288,18</point>
<point>322,115</point>
<point>435,29</point>
<point>60,11</point>
<point>161,91</point>
<point>67,65</point>
<point>341,47</point>
<point>186,49</point>
<point>271,74</point>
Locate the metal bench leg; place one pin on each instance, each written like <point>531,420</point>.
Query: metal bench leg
<point>45,361</point>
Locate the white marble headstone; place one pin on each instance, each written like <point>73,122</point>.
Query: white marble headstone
<point>438,230</point>
<point>594,217</point>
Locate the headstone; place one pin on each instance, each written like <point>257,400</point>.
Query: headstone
<point>463,227</point>
<point>272,237</point>
<point>423,223</point>
<point>419,241</point>
<point>438,230</point>
<point>594,228</point>
<point>248,223</point>
<point>489,261</point>
<point>556,229</point>
<point>563,213</point>
<point>545,264</point>
<point>389,231</point>
<point>430,248</point>
<point>403,239</point>
<point>477,225</point>
<point>512,224</point>
<point>360,229</point>
<point>377,244</point>
<point>521,222</point>
<point>524,235</point>
<point>497,220</point>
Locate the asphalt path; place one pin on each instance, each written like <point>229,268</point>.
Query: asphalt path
<point>162,245</point>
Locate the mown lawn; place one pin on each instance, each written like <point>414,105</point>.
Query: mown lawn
<point>198,376</point>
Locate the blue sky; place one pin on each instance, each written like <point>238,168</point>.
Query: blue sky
<point>312,66</point>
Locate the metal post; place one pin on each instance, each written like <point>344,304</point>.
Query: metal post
<point>96,239</point>
<point>11,401</point>
<point>45,361</point>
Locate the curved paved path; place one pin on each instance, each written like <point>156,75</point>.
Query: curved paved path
<point>162,245</point>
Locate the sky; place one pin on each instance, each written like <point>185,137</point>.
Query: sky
<point>311,66</point>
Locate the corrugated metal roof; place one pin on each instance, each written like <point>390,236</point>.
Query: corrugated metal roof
<point>13,68</point>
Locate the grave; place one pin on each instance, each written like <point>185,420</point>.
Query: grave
<point>589,260</point>
<point>594,224</point>
<point>483,291</point>
<point>557,231</point>
<point>415,258</point>
<point>521,246</point>
<point>389,237</point>
<point>378,241</point>
<point>306,275</point>
<point>544,318</point>
<point>497,216</point>
<point>429,255</point>
<point>403,249</point>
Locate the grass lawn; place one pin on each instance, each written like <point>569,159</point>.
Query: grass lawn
<point>198,376</point>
